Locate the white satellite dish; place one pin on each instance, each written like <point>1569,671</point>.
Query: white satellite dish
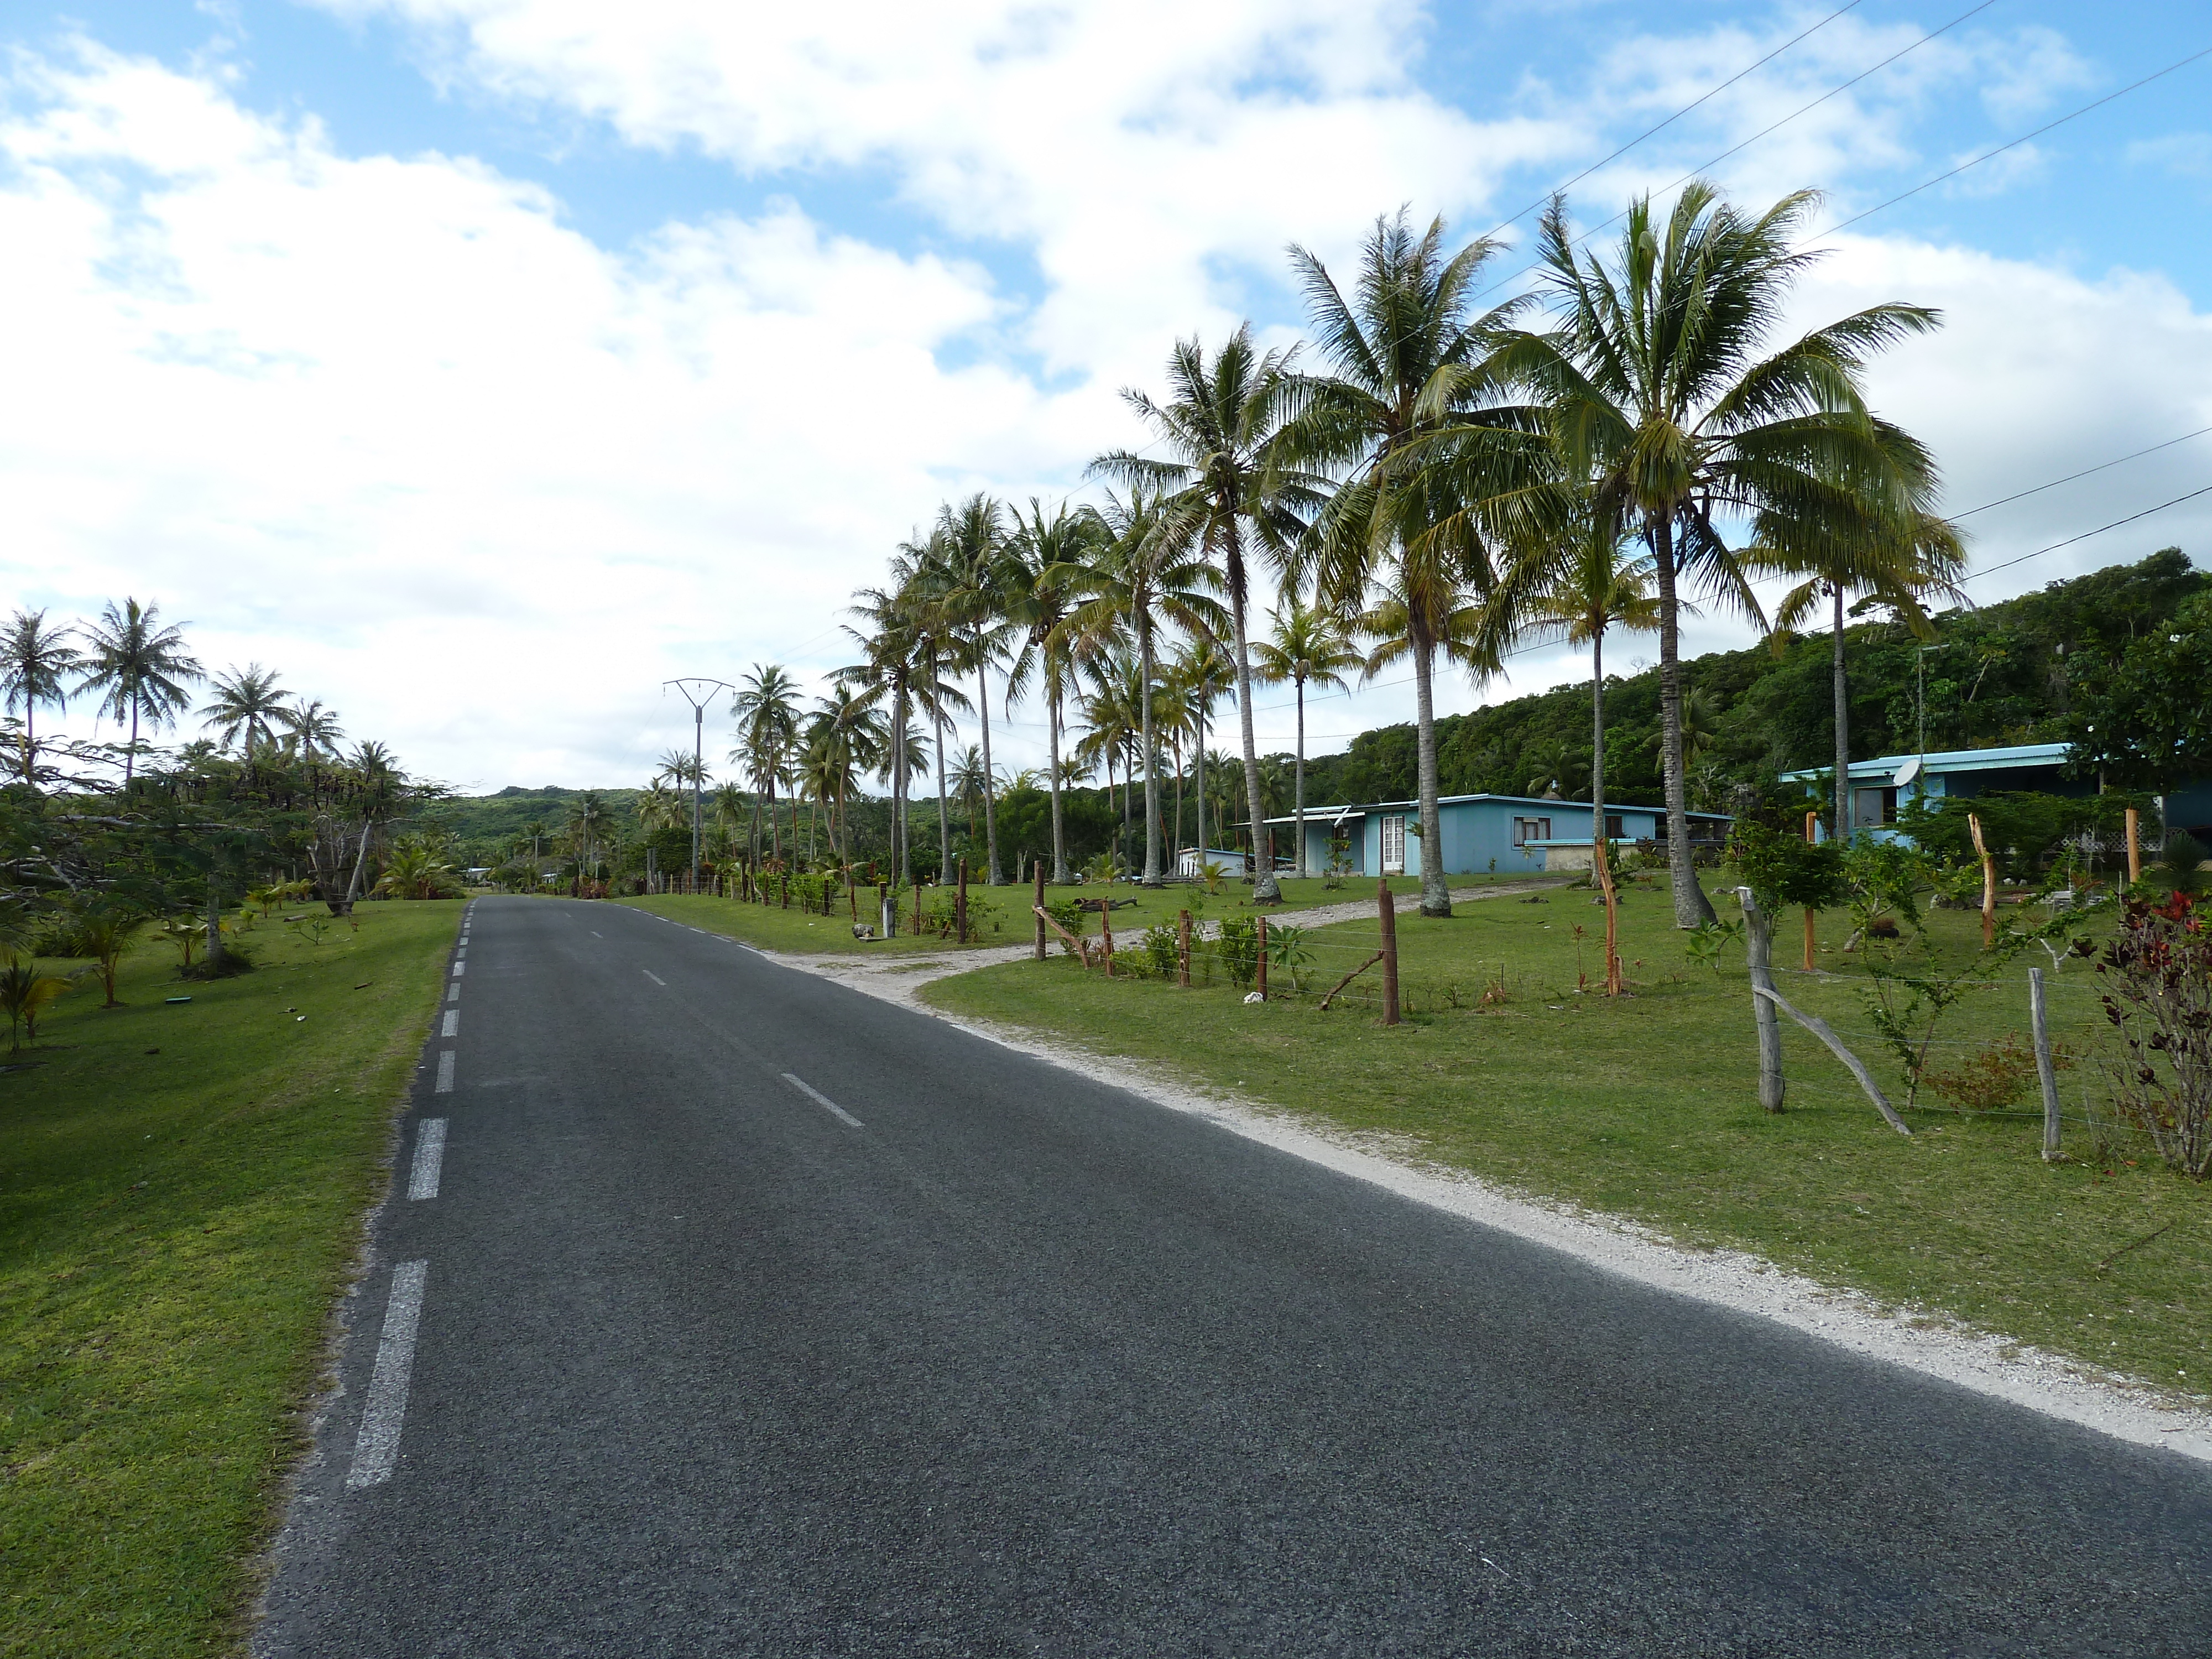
<point>1906,773</point>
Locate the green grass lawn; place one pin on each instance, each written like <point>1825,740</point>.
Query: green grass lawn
<point>1646,1107</point>
<point>181,1189</point>
<point>1004,912</point>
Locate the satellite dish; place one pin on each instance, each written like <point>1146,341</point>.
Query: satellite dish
<point>1906,773</point>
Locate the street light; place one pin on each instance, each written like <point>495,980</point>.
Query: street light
<point>698,693</point>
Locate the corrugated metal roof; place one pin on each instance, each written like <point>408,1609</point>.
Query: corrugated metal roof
<point>1950,760</point>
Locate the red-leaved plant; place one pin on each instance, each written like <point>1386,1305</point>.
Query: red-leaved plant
<point>2158,977</point>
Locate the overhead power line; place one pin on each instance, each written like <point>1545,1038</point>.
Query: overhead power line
<point>1775,126</point>
<point>1650,131</point>
<point>2102,466</point>
<point>2087,534</point>
<point>2074,115</point>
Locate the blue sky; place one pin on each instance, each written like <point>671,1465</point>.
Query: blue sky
<point>480,363</point>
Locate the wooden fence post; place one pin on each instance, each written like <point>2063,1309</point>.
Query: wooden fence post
<point>886,915</point>
<point>1759,958</point>
<point>1812,835</point>
<point>2134,847</point>
<point>1182,950</point>
<point>1388,918</point>
<point>1989,889</point>
<point>960,904</point>
<point>1037,903</point>
<point>917,908</point>
<point>1106,928</point>
<point>852,893</point>
<point>2045,1073</point>
<point>1262,964</point>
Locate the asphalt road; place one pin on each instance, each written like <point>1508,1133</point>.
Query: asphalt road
<point>1012,1362</point>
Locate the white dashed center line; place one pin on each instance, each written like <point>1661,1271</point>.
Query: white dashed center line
<point>654,977</point>
<point>446,1072</point>
<point>824,1102</point>
<point>596,933</point>
<point>377,1447</point>
<point>430,1157</point>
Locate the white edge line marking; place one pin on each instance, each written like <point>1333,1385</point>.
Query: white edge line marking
<point>824,1102</point>
<point>596,933</point>
<point>453,1021</point>
<point>446,1072</point>
<point>376,1448</point>
<point>654,977</point>
<point>457,967</point>
<point>429,1158</point>
<point>453,993</point>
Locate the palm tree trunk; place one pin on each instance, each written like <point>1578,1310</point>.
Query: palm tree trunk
<point>30,736</point>
<point>1179,777</point>
<point>1842,732</point>
<point>1436,890</point>
<point>1598,736</point>
<point>1691,907</point>
<point>1201,785</point>
<point>1059,874</point>
<point>944,812</point>
<point>991,877</point>
<point>1264,888</point>
<point>1151,755</point>
<point>1299,798</point>
<point>131,755</point>
<point>901,846</point>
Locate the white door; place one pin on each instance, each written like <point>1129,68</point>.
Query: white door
<point>1394,844</point>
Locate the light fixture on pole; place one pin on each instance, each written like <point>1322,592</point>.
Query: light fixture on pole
<point>698,693</point>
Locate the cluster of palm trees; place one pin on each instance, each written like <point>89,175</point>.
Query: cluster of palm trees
<point>1427,481</point>
<point>137,670</point>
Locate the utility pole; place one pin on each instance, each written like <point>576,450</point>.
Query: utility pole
<point>698,693</point>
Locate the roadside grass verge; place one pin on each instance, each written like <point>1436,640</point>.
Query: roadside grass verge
<point>1647,1106</point>
<point>1005,912</point>
<point>174,1226</point>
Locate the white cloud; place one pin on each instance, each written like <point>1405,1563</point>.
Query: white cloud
<point>2184,155</point>
<point>391,425</point>
<point>474,481</point>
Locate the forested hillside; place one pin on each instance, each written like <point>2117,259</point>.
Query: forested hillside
<point>2000,674</point>
<point>2004,673</point>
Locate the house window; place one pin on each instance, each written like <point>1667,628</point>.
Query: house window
<point>1394,843</point>
<point>1613,830</point>
<point>1527,830</point>
<point>1872,808</point>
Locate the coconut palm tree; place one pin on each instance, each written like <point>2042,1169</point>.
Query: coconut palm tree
<point>1304,647</point>
<point>33,659</point>
<point>1665,391</point>
<point>767,710</point>
<point>978,590</point>
<point>1203,674</point>
<point>888,639</point>
<point>1414,415</point>
<point>246,704</point>
<point>969,781</point>
<point>1112,712</point>
<point>1219,425</point>
<point>1148,570</point>
<point>1042,555</point>
<point>1588,584</point>
<point>139,668</point>
<point>1890,570</point>
<point>845,736</point>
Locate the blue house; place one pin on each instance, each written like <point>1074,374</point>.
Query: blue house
<point>1881,788</point>
<point>1515,833</point>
